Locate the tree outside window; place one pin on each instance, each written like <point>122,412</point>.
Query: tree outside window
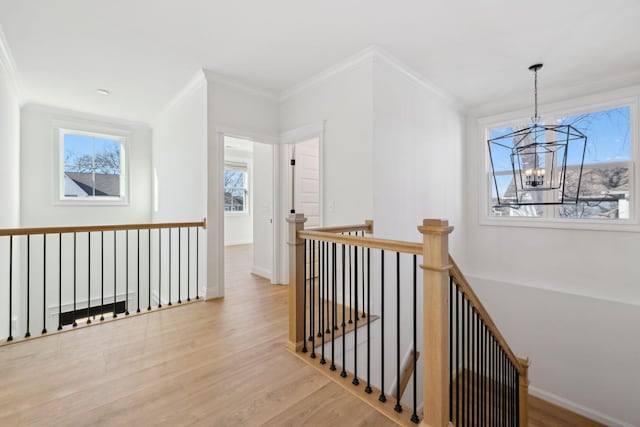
<point>235,188</point>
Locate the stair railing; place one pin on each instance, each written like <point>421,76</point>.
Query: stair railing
<point>474,383</point>
<point>54,277</point>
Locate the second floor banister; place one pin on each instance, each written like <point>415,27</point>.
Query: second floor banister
<point>456,365</point>
<point>63,277</point>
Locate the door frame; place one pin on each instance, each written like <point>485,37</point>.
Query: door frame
<point>274,141</point>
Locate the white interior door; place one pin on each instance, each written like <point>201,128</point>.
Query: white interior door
<point>263,176</point>
<point>307,181</point>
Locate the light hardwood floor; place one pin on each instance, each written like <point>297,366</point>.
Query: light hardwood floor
<point>217,363</point>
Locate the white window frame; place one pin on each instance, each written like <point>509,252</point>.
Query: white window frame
<point>120,135</point>
<point>550,219</point>
<point>239,166</point>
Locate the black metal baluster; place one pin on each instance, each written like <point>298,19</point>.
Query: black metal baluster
<point>75,324</point>
<point>333,329</point>
<point>126,291</point>
<point>483,418</point>
<point>474,372</point>
<point>323,259</point>
<point>327,278</point>
<point>343,373</point>
<point>102,276</point>
<point>197,263</point>
<point>457,355</point>
<point>320,278</point>
<point>44,283</point>
<point>368,387</point>
<point>414,416</point>
<point>160,268</point>
<point>312,286</point>
<point>10,337</point>
<point>138,284</point>
<point>517,397</point>
<point>450,349</point>
<point>170,262</point>
<point>304,299</point>
<point>382,397</point>
<point>149,265</point>
<point>179,265</point>
<point>350,286</point>
<point>189,267</point>
<point>398,407</point>
<point>59,281</point>
<point>115,271</point>
<point>462,374</point>
<point>505,410</point>
<point>469,373</point>
<point>355,329</point>
<point>363,311</point>
<point>28,332</point>
<point>88,278</point>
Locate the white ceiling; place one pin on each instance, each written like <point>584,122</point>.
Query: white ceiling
<point>145,51</point>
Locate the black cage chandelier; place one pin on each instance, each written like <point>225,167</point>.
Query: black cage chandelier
<point>538,156</point>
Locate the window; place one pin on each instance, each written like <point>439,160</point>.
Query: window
<point>92,166</point>
<point>606,190</point>
<point>235,187</point>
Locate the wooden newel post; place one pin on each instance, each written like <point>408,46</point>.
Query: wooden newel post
<point>523,394</point>
<point>296,282</point>
<point>435,268</point>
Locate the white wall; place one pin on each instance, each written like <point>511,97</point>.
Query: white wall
<point>236,110</point>
<point>344,101</point>
<point>238,226</point>
<point>263,177</point>
<point>180,164</point>
<point>39,157</point>
<point>10,153</point>
<point>417,156</point>
<point>10,189</point>
<point>574,309</point>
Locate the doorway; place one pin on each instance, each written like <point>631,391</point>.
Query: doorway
<point>248,211</point>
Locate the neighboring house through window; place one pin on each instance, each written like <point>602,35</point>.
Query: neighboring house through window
<point>606,188</point>
<point>92,166</point>
<point>236,187</point>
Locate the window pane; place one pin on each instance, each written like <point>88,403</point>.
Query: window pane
<point>604,189</point>
<point>608,135</point>
<point>91,166</point>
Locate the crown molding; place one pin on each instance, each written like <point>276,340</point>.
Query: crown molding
<point>8,64</point>
<point>372,53</point>
<point>63,113</point>
<point>196,82</point>
<point>412,74</point>
<point>345,64</point>
<point>214,77</point>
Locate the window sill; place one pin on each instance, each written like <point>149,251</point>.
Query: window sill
<point>97,203</point>
<point>627,225</point>
<point>232,214</point>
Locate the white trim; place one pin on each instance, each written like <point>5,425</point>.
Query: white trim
<point>371,53</point>
<point>97,121</point>
<point>302,133</point>
<point>414,75</point>
<point>249,135</point>
<point>577,408</point>
<point>9,65</point>
<point>213,77</point>
<point>238,242</point>
<point>345,64</point>
<point>261,272</point>
<point>61,127</point>
<point>196,82</point>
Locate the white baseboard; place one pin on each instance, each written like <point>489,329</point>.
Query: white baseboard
<point>238,242</point>
<point>262,272</point>
<point>577,408</point>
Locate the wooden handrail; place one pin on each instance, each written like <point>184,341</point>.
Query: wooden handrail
<point>468,292</point>
<point>367,226</point>
<point>367,242</point>
<point>87,228</point>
